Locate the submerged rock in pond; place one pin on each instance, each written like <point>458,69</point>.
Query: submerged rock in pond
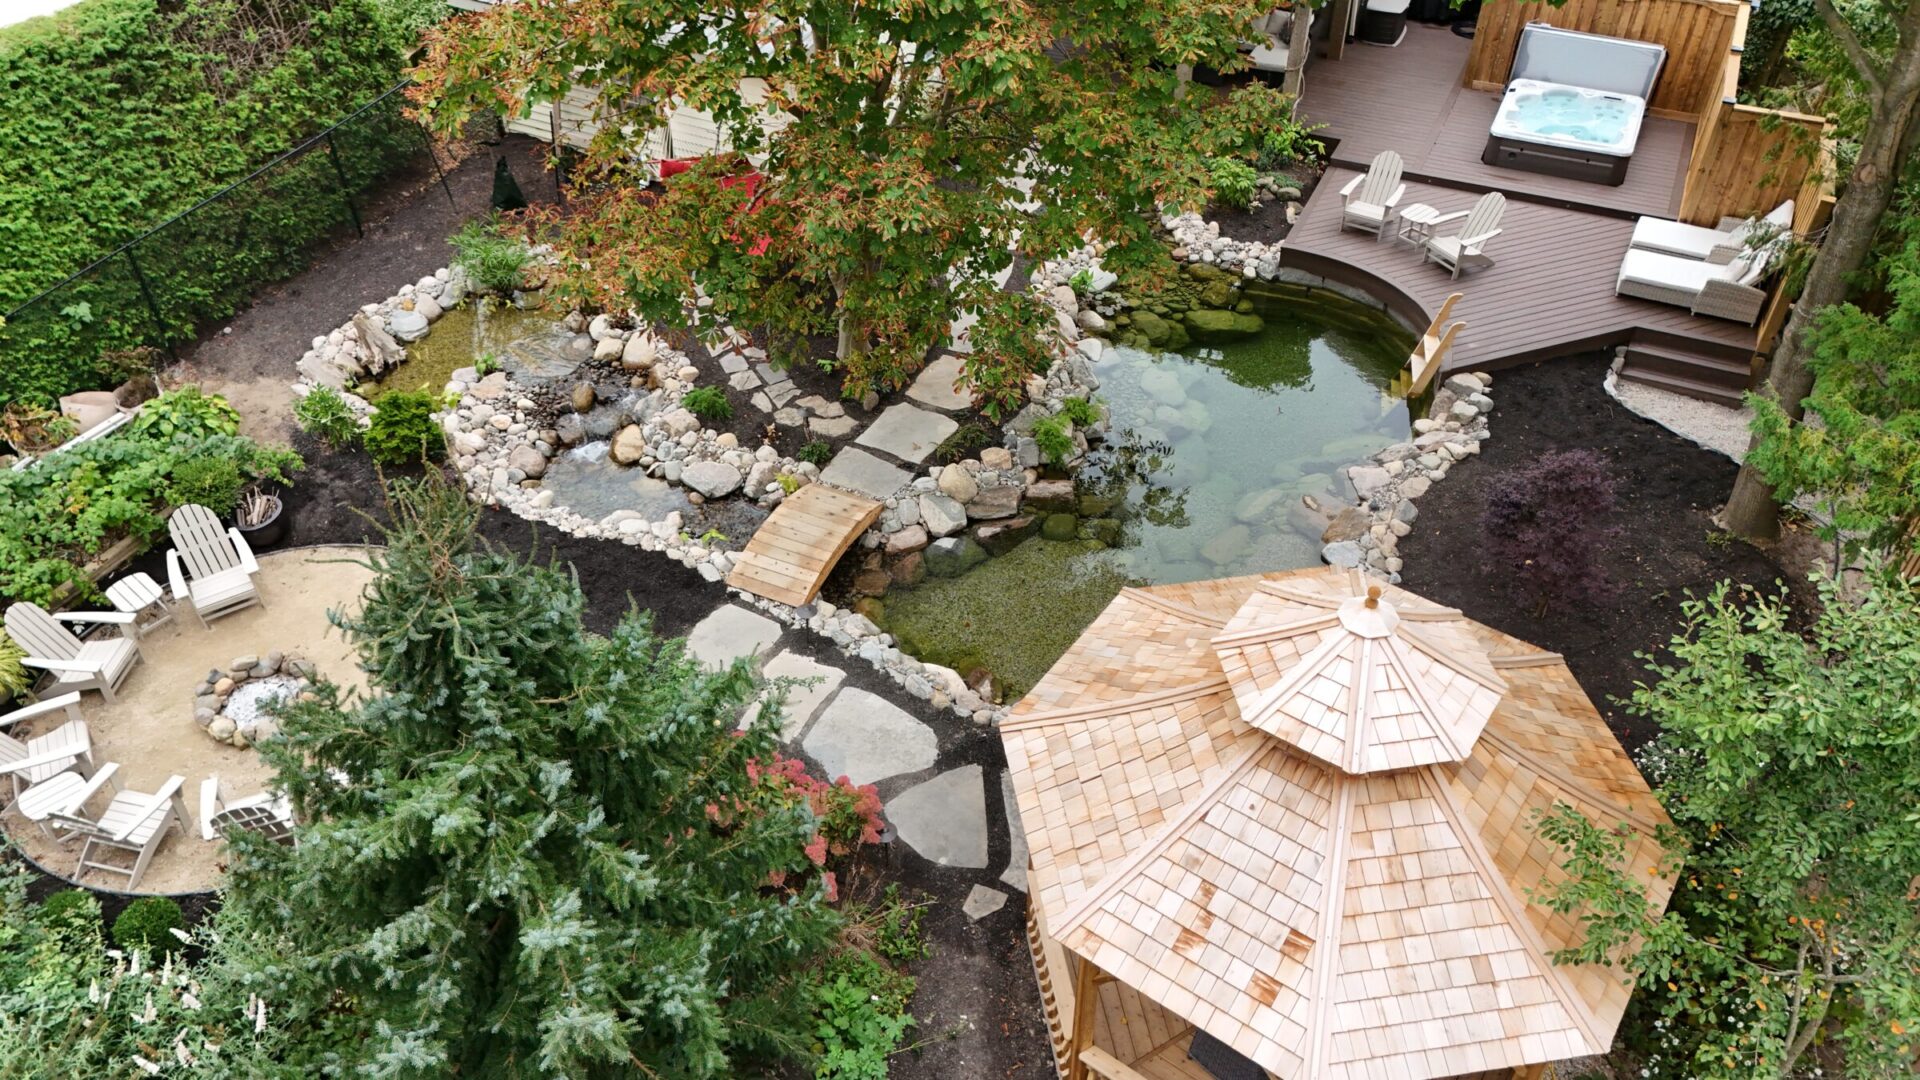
<point>952,556</point>
<point>1163,386</point>
<point>1227,545</point>
<point>1000,537</point>
<point>1208,326</point>
<point>1060,527</point>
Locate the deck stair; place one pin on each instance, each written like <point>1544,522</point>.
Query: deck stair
<point>1697,373</point>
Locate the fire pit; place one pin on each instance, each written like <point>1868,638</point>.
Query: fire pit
<point>234,706</point>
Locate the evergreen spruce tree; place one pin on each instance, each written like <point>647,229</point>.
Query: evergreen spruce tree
<point>530,850</point>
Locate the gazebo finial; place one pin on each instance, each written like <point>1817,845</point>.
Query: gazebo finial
<point>1373,596</point>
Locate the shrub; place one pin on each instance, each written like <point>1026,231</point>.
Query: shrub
<point>1545,524</point>
<point>493,260</point>
<point>68,905</point>
<point>15,679</point>
<point>815,453</point>
<point>856,1036</point>
<point>147,924</point>
<point>1255,124</point>
<point>708,403</point>
<point>155,105</point>
<point>1232,182</point>
<point>1055,436</point>
<point>486,364</point>
<point>213,482</point>
<point>186,413</point>
<point>325,415</point>
<point>1082,412</point>
<point>966,440</point>
<point>403,430</point>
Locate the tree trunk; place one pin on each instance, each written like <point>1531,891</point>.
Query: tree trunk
<point>1856,218</point>
<point>1294,80</point>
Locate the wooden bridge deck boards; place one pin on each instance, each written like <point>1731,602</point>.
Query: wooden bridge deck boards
<point>795,549</point>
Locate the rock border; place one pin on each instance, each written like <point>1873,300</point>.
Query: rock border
<point>211,696</point>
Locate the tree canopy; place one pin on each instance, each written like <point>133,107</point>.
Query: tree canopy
<point>1788,765</point>
<point>903,153</point>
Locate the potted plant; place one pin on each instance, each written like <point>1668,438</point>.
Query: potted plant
<point>260,518</point>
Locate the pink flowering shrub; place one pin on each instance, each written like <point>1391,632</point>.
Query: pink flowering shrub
<point>846,814</point>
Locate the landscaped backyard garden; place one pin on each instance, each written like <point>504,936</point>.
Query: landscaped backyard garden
<point>967,559</point>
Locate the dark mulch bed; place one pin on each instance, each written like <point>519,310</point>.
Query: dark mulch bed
<point>1268,224</point>
<point>1668,547</point>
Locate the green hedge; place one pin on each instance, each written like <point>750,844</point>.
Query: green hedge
<point>121,113</point>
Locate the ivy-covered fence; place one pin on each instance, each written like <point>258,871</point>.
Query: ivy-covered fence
<point>123,114</point>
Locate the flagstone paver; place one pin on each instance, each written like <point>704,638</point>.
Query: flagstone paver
<point>934,387</point>
<point>856,470</point>
<point>1016,871</point>
<point>907,432</point>
<point>730,633</point>
<point>983,901</point>
<point>804,699</point>
<point>945,818</point>
<point>867,738</point>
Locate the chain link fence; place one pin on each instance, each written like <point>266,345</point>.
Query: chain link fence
<point>158,289</point>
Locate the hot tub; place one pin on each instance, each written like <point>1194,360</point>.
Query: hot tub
<point>1573,104</point>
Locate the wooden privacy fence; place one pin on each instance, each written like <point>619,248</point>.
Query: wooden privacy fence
<point>1698,35</point>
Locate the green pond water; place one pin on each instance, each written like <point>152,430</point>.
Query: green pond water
<point>531,343</point>
<point>1203,474</point>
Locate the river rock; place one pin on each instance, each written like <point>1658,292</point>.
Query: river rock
<point>407,325</point>
<point>714,479</point>
<point>1051,495</point>
<point>958,484</point>
<point>1161,385</point>
<point>954,555</point>
<point>996,457</point>
<point>629,445</point>
<point>911,538</point>
<point>639,353</point>
<point>1346,554</point>
<point>1367,479</point>
<point>608,348</point>
<point>1060,527</point>
<point>993,502</point>
<point>584,396</point>
<point>941,514</point>
<point>429,308</point>
<point>1349,524</point>
<point>528,460</point>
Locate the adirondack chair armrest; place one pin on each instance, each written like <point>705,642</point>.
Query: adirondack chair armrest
<point>176,578</point>
<point>100,779</point>
<point>154,804</point>
<point>209,805</point>
<point>1347,192</point>
<point>247,561</point>
<point>1455,216</point>
<point>116,618</point>
<point>69,701</point>
<point>71,667</point>
<point>48,757</point>
<point>1393,200</point>
<point>1474,243</point>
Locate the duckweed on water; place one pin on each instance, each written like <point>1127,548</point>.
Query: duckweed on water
<point>524,342</point>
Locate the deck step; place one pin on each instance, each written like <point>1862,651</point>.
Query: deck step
<point>1735,372</point>
<point>1693,387</point>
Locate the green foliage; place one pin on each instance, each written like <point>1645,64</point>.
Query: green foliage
<point>1081,282</point>
<point>325,415</point>
<point>403,431</point>
<point>1254,124</point>
<point>1055,436</point>
<point>486,364</point>
<point>1861,459</point>
<point>788,482</point>
<point>856,1036</point>
<point>15,679</point>
<point>1788,765</point>
<point>148,923</point>
<point>967,439</point>
<point>1081,411</point>
<point>124,112</point>
<point>553,856</point>
<point>815,453</point>
<point>186,413</point>
<point>1232,182</point>
<point>215,483</point>
<point>708,403</point>
<point>71,505</point>
<point>897,929</point>
<point>493,260</point>
<point>68,905</point>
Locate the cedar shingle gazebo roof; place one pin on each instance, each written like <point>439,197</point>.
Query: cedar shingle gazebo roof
<point>1296,811</point>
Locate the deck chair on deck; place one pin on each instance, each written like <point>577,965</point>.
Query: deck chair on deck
<point>268,814</point>
<point>210,567</point>
<point>133,824</point>
<point>1368,199</point>
<point>99,664</point>
<point>1467,247</point>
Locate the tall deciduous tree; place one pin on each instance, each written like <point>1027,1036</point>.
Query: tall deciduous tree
<point>1789,766</point>
<point>530,850</point>
<point>917,144</point>
<point>1881,40</point>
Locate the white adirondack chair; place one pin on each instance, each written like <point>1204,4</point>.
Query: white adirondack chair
<point>268,814</point>
<point>133,823</point>
<point>1369,199</point>
<point>1467,247</point>
<point>99,664</point>
<point>42,757</point>
<point>209,567</point>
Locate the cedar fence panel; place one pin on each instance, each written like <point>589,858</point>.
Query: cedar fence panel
<point>1746,160</point>
<point>1696,33</point>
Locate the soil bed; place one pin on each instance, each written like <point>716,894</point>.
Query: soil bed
<point>1269,223</point>
<point>1667,548</point>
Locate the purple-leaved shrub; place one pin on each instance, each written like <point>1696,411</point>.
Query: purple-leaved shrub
<point>1546,525</point>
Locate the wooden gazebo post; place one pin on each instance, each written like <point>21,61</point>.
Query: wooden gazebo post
<point>1086,991</point>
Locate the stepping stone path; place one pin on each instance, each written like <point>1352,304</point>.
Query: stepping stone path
<point>907,432</point>
<point>934,387</point>
<point>731,633</point>
<point>983,901</point>
<point>802,700</point>
<point>867,738</point>
<point>945,818</point>
<point>856,470</point>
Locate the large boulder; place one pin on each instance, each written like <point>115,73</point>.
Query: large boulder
<point>1057,495</point>
<point>629,445</point>
<point>941,514</point>
<point>638,353</point>
<point>1351,523</point>
<point>528,460</point>
<point>714,479</point>
<point>1216,326</point>
<point>999,501</point>
<point>1002,536</point>
<point>407,325</point>
<point>1156,329</point>
<point>958,484</point>
<point>954,555</point>
<point>1163,386</point>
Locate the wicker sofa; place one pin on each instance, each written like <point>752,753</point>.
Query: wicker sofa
<point>1735,290</point>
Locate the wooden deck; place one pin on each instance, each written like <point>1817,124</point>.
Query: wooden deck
<point>1549,292</point>
<point>795,549</point>
<point>1410,99</point>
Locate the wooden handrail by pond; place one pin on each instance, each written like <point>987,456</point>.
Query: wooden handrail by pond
<point>1424,362</point>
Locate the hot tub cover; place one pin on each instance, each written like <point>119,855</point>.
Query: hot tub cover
<point>1303,823</point>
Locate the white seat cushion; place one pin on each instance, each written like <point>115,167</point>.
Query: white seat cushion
<point>1669,271</point>
<point>1678,238</point>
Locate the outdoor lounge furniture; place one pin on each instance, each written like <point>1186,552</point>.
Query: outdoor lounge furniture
<point>1468,246</point>
<point>1731,291</point>
<point>42,757</point>
<point>1720,246</point>
<point>133,823</point>
<point>99,664</point>
<point>1368,199</point>
<point>210,567</point>
<point>1269,50</point>
<point>268,814</point>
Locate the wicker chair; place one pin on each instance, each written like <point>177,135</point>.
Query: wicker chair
<point>1734,291</point>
